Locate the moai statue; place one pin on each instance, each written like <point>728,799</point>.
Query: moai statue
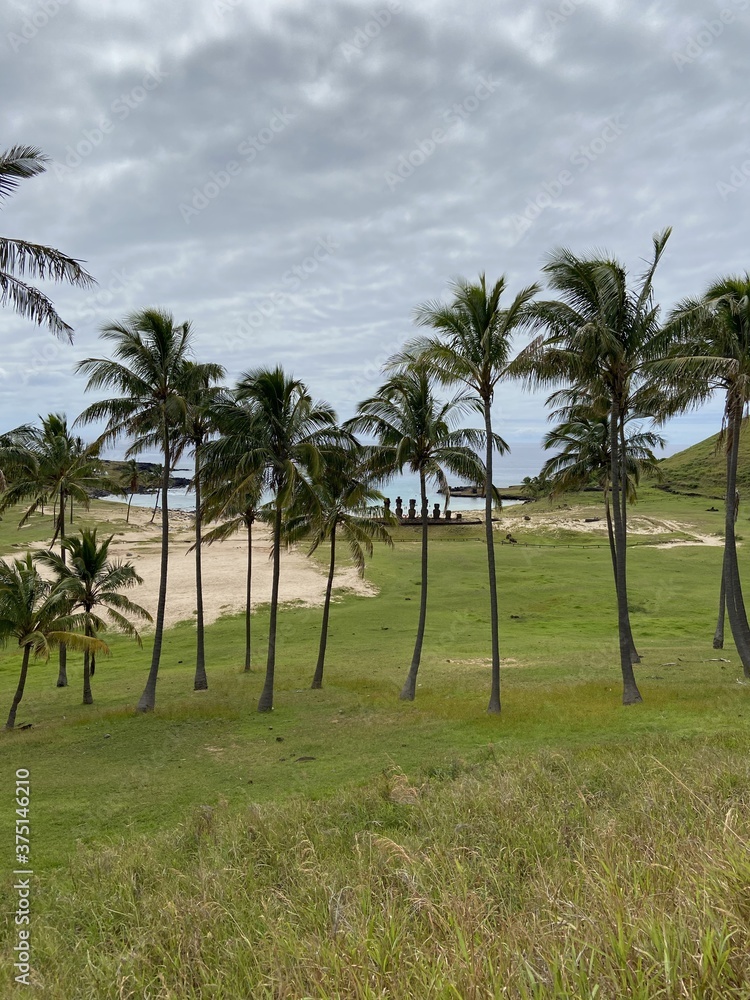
<point>387,505</point>
<point>459,516</point>
<point>436,512</point>
<point>412,510</point>
<point>399,508</point>
<point>448,514</point>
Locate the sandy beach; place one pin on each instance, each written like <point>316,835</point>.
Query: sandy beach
<point>224,567</point>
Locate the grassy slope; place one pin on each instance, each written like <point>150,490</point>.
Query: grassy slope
<point>101,773</point>
<point>702,468</point>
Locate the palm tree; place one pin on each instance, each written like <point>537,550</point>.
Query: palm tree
<point>201,395</point>
<point>473,350</point>
<point>413,429</point>
<point>341,491</point>
<point>714,353</point>
<point>94,581</point>
<point>144,380</point>
<point>131,481</point>
<point>20,259</point>
<point>58,467</point>
<point>289,428</point>
<point>584,439</point>
<point>38,615</point>
<point>237,503</point>
<point>599,335</point>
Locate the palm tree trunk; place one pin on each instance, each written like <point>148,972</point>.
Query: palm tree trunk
<point>265,703</point>
<point>409,689</point>
<point>494,706</point>
<point>148,698</point>
<point>317,681</point>
<point>127,518</point>
<point>719,633</point>
<point>88,698</point>
<point>71,510</point>
<point>634,654</point>
<point>19,690</point>
<point>201,681</point>
<point>248,596</point>
<point>156,507</point>
<point>734,599</point>
<point>630,693</point>
<point>62,674</point>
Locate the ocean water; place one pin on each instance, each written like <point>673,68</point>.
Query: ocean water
<point>405,486</point>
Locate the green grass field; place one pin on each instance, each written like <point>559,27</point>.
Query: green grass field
<point>161,801</point>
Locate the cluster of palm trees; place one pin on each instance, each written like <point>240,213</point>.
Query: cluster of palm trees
<point>266,450</point>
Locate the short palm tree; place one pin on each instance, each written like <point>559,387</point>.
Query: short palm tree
<point>413,429</point>
<point>20,259</point>
<point>473,350</point>
<point>290,428</point>
<point>144,384</point>
<point>94,581</point>
<point>201,395</point>
<point>598,337</point>
<point>713,352</point>
<point>58,467</point>
<point>341,492</point>
<point>132,476</point>
<point>37,614</point>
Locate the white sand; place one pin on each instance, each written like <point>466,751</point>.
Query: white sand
<point>224,568</point>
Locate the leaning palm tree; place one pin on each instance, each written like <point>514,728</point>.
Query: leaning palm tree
<point>473,350</point>
<point>20,259</point>
<point>38,615</point>
<point>340,494</point>
<point>144,384</point>
<point>131,481</point>
<point>413,429</point>
<point>714,353</point>
<point>598,337</point>
<point>201,395</point>
<point>290,429</point>
<point>94,581</point>
<point>59,467</point>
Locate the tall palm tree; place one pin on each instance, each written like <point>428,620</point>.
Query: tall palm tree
<point>20,259</point>
<point>38,615</point>
<point>144,381</point>
<point>473,350</point>
<point>201,395</point>
<point>414,429</point>
<point>583,439</point>
<point>713,352</point>
<point>58,467</point>
<point>94,581</point>
<point>341,491</point>
<point>290,429</point>
<point>237,504</point>
<point>598,337</point>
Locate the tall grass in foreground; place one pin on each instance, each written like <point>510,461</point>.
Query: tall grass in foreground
<point>615,871</point>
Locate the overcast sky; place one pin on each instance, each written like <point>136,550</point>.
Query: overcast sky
<point>295,178</point>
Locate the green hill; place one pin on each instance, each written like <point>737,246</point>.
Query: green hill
<point>702,468</point>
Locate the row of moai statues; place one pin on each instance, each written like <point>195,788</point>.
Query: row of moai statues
<point>412,515</point>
